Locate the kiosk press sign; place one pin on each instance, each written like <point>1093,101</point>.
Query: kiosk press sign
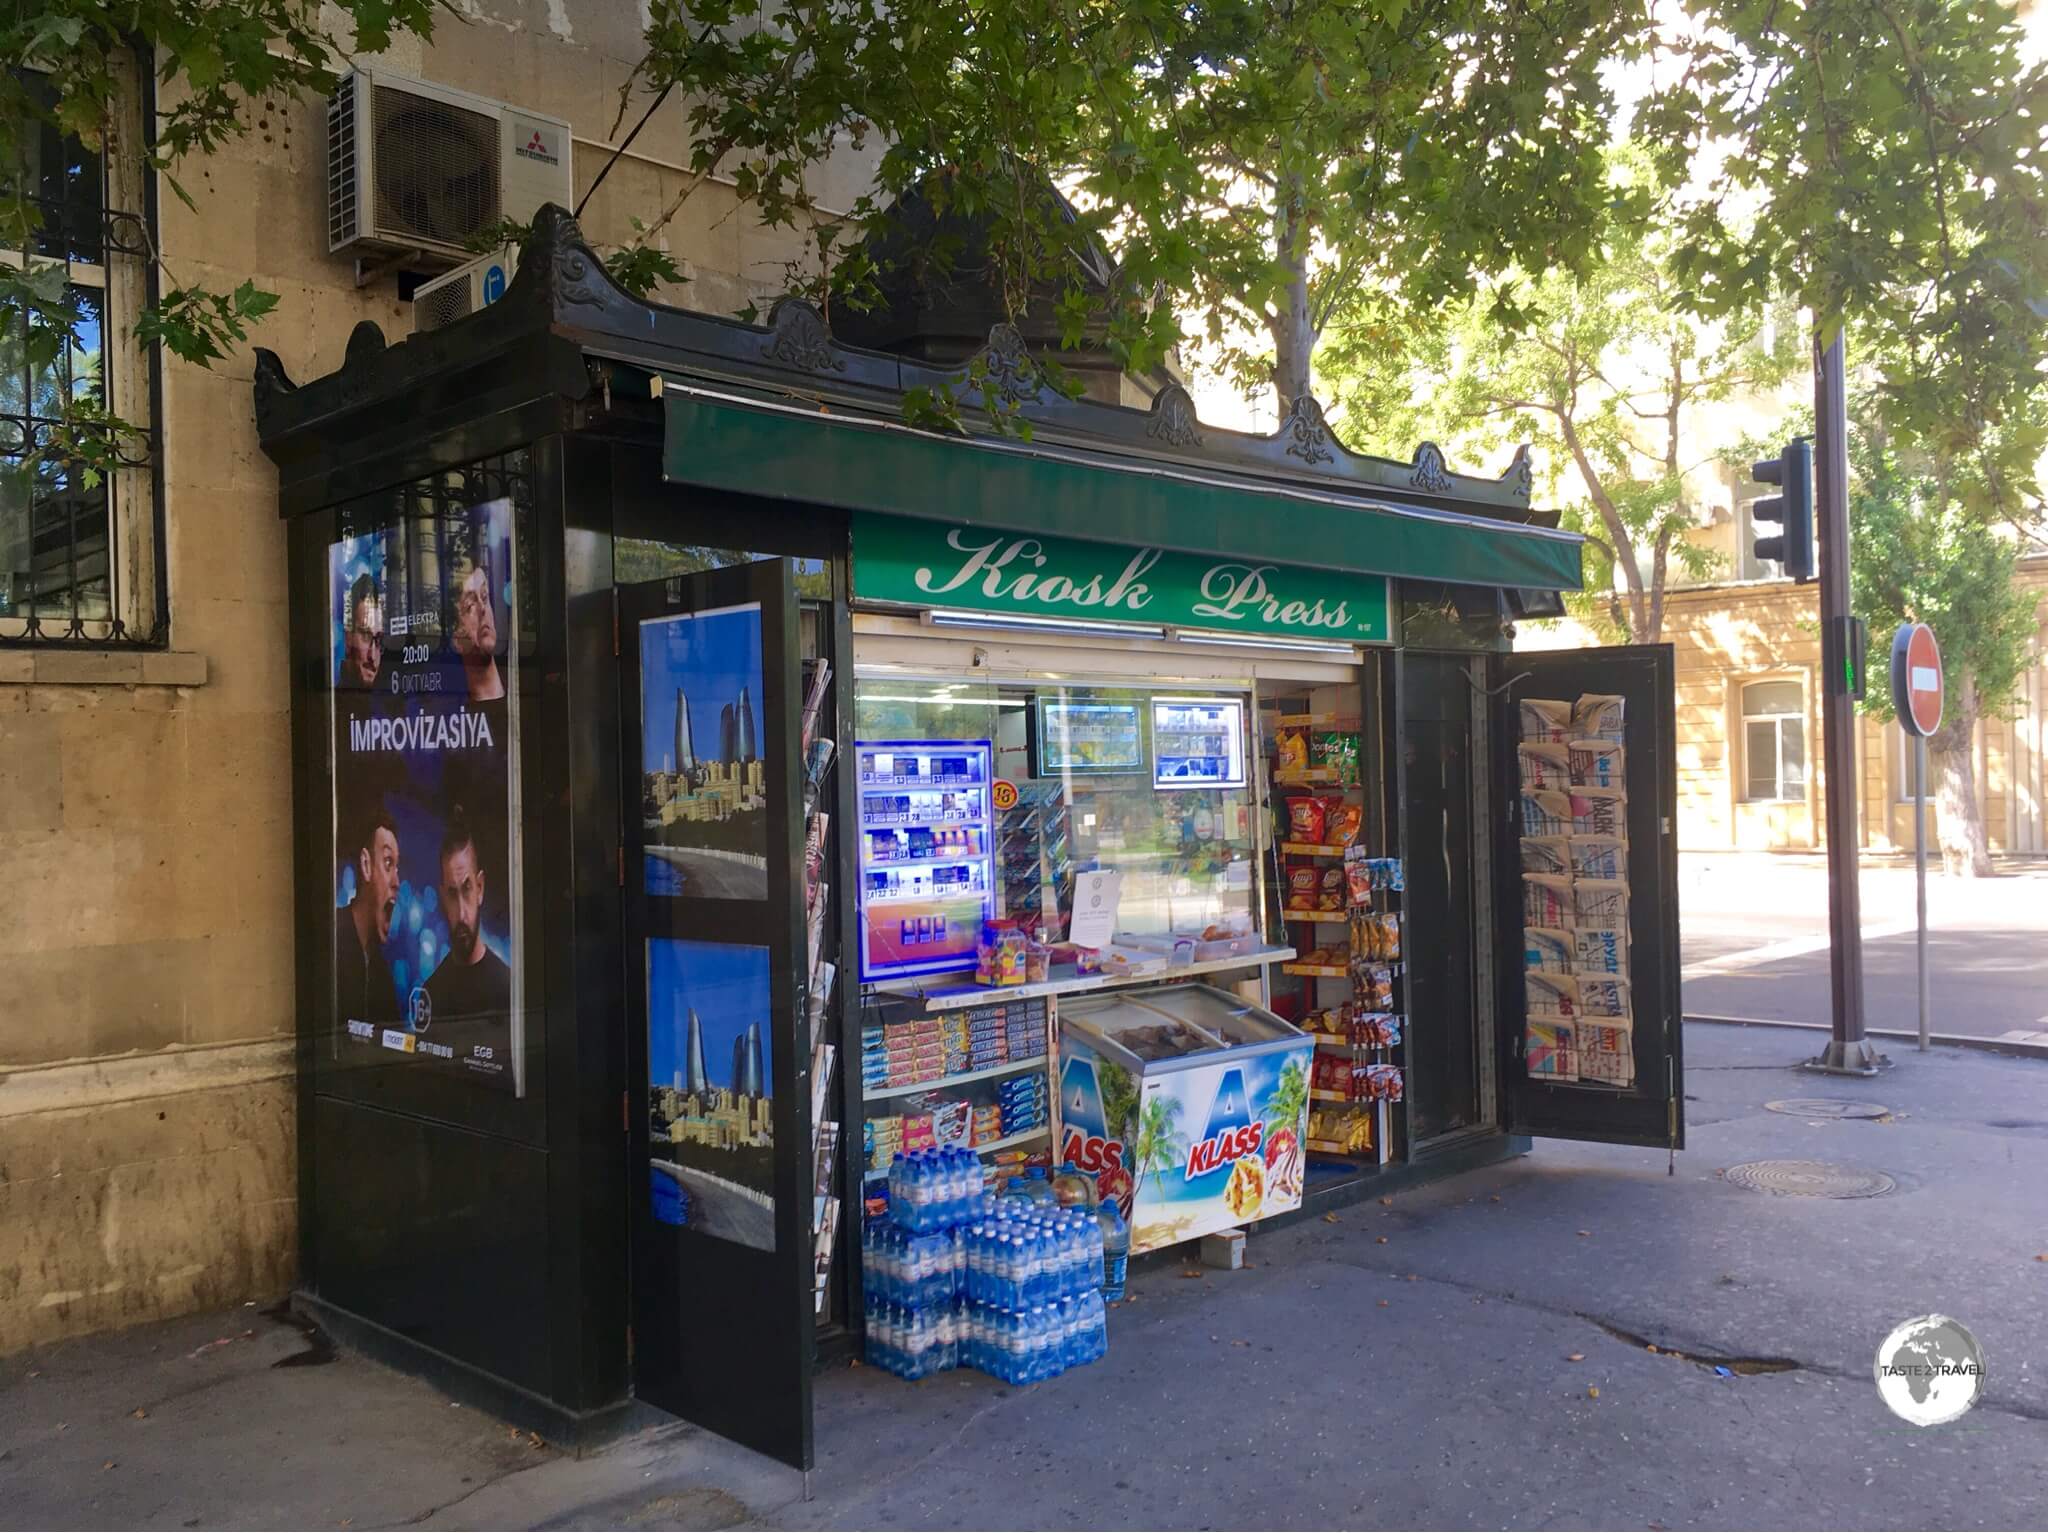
<point>907,561</point>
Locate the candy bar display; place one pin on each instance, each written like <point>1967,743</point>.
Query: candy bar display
<point>1575,896</point>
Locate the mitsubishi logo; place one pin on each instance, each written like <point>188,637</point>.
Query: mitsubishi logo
<point>536,148</point>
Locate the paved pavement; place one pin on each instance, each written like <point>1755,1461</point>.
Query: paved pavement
<point>1754,929</point>
<point>1432,1362</point>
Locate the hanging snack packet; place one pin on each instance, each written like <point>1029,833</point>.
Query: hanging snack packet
<point>1341,821</point>
<point>1598,716</point>
<point>1596,764</point>
<point>1547,854</point>
<point>1390,921</point>
<point>1546,720</point>
<point>1544,766</point>
<point>1291,745</point>
<point>1305,819</point>
<point>1358,877</point>
<point>1547,947</point>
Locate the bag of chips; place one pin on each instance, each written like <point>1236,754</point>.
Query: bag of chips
<point>1358,875</point>
<point>1330,893</point>
<point>1291,744</point>
<point>1341,821</point>
<point>1305,817</point>
<point>1302,883</point>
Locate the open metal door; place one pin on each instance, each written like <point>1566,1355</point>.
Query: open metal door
<point>1547,1088</point>
<point>718,1100</point>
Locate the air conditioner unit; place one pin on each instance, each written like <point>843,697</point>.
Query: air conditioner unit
<point>464,290</point>
<point>420,170</point>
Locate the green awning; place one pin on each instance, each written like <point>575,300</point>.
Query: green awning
<point>796,451</point>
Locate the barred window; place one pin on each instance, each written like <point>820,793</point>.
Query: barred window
<point>79,552</point>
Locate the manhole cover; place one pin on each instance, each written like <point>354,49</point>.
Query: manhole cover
<point>1822,1107</point>
<point>1810,1179</point>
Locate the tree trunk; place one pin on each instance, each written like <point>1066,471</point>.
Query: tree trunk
<point>1294,331</point>
<point>1952,763</point>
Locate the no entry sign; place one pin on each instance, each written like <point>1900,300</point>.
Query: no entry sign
<point>1916,679</point>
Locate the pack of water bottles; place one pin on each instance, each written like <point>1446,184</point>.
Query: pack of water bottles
<point>919,1270</point>
<point>935,1189</point>
<point>1018,1346</point>
<point>955,1278</point>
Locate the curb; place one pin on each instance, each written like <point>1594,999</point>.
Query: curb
<point>1945,1040</point>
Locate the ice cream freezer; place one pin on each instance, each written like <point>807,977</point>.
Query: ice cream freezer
<point>1187,1104</point>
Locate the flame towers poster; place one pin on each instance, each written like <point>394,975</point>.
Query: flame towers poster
<point>703,800</point>
<point>711,1105</point>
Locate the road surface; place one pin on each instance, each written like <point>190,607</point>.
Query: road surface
<point>1754,930</point>
<point>706,875</point>
<point>718,1207</point>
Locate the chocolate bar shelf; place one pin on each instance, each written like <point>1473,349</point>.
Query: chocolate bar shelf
<point>940,1082</point>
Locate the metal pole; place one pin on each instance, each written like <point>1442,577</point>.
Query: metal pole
<point>1920,867</point>
<point>1849,1052</point>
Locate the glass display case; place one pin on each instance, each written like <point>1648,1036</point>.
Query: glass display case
<point>927,854</point>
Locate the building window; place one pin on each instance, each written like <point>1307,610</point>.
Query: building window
<point>79,552</point>
<point>1774,742</point>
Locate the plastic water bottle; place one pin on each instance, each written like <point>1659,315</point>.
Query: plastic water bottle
<point>1116,1250</point>
<point>1094,1327</point>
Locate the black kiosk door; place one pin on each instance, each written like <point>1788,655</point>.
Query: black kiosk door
<point>1585,748</point>
<point>711,691</point>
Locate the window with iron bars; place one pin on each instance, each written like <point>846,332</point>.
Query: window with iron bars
<point>81,555</point>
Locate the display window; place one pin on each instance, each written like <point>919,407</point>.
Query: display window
<point>982,802</point>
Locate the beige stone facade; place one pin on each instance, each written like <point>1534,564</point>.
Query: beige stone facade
<point>147,1149</point>
<point>1731,642</point>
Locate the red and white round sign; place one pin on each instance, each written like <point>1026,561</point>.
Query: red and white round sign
<point>1916,679</point>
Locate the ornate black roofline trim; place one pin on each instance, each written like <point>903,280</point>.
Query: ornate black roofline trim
<point>562,289</point>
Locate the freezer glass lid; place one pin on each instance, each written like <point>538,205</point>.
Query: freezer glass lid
<point>1178,1021</point>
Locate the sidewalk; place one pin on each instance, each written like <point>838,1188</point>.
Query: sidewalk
<point>1428,1380</point>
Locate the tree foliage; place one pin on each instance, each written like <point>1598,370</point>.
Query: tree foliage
<point>1609,382</point>
<point>1250,163</point>
<point>1919,553</point>
<point>221,65</point>
<point>1884,169</point>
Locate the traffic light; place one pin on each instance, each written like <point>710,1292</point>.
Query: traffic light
<point>1792,472</point>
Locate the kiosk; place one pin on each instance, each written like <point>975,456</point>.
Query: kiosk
<point>705,783</point>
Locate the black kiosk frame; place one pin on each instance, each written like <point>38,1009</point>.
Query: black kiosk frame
<point>513,495</point>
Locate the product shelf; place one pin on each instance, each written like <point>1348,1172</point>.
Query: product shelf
<point>951,998</point>
<point>1311,849</point>
<point>940,1082</point>
<point>1319,970</point>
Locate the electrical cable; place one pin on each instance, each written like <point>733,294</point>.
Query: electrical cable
<point>582,201</point>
